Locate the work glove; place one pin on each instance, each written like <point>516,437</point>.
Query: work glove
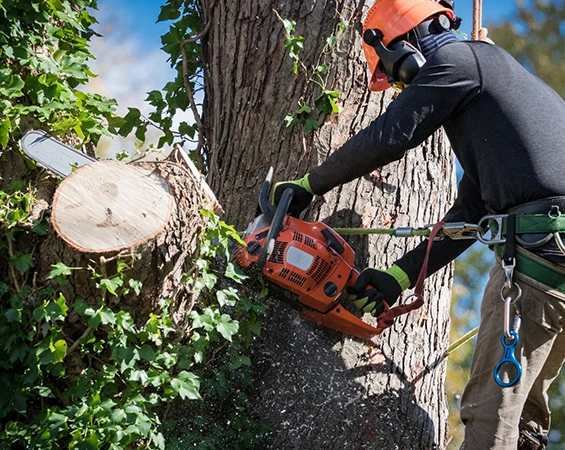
<point>373,286</point>
<point>302,197</point>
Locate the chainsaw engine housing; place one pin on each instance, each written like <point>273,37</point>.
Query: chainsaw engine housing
<point>307,258</point>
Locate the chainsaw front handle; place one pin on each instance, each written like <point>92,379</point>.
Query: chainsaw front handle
<point>276,226</point>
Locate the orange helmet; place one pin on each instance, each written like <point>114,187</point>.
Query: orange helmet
<point>395,18</point>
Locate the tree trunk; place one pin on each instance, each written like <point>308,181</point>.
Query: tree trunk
<point>318,388</point>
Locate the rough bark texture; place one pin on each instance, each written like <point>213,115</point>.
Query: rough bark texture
<point>320,389</point>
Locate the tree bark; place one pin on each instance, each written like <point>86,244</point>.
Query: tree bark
<point>318,388</point>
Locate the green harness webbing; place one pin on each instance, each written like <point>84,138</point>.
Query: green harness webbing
<point>537,268</point>
<point>534,223</point>
<point>528,263</point>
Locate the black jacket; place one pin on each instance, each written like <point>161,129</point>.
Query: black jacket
<point>505,126</point>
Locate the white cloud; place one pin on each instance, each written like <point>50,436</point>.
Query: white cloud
<point>128,65</point>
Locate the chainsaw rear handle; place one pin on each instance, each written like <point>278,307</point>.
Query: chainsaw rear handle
<point>276,225</point>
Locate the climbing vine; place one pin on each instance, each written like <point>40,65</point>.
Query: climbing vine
<point>314,73</point>
<point>130,377</point>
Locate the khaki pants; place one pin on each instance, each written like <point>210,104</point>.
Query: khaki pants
<point>492,414</point>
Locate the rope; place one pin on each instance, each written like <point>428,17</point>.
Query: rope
<point>477,15</point>
<point>389,231</point>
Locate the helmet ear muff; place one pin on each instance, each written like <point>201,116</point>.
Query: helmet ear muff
<point>401,61</point>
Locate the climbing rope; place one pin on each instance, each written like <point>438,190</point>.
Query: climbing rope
<point>477,17</point>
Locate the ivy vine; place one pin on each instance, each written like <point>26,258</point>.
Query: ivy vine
<point>132,375</point>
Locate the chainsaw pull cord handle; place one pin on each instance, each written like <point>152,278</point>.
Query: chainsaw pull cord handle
<point>274,230</point>
<point>386,319</point>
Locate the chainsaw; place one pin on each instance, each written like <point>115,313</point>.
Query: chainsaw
<point>309,260</point>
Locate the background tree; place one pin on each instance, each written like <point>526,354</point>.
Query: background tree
<point>300,65</point>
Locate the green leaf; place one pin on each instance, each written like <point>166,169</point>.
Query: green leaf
<point>58,270</point>
<point>107,316</point>
<point>310,124</point>
<point>326,102</point>
<point>59,349</point>
<point>227,327</point>
<point>5,128</point>
<point>21,262</point>
<point>111,285</point>
<point>136,285</point>
<point>40,227</point>
<point>290,121</point>
<point>186,384</point>
<point>168,12</point>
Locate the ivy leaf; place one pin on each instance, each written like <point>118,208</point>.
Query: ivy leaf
<point>227,327</point>
<point>186,384</point>
<point>136,285</point>
<point>290,121</point>
<point>111,285</point>
<point>40,227</point>
<point>326,102</point>
<point>5,127</point>
<point>21,262</point>
<point>58,270</point>
<point>310,124</point>
<point>168,12</point>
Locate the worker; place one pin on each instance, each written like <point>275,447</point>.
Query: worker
<point>506,129</point>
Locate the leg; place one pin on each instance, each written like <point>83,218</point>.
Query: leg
<point>491,413</point>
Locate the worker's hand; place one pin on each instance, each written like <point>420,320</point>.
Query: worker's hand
<point>373,286</point>
<point>302,197</point>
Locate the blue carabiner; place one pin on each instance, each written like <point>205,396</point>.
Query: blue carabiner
<point>508,358</point>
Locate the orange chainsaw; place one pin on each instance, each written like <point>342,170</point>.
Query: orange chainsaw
<point>308,259</point>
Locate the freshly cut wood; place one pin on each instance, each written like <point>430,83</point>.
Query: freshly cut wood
<point>108,206</point>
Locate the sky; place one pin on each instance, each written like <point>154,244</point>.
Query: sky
<point>129,62</point>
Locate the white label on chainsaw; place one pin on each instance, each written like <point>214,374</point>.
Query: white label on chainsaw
<point>299,258</point>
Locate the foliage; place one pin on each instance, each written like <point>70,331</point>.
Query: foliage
<point>327,100</point>
<point>535,37</point>
<point>43,54</point>
<point>126,371</point>
<point>182,44</point>
<point>82,374</point>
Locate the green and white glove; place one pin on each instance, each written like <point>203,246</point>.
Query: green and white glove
<point>303,194</point>
<point>373,286</point>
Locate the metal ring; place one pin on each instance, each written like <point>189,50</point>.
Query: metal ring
<point>559,242</point>
<point>539,243</point>
<point>504,297</point>
<point>554,216</point>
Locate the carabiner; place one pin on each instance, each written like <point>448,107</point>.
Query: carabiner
<point>509,357</point>
<point>496,236</point>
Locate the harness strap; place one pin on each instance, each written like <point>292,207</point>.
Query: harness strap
<point>530,266</point>
<point>531,223</point>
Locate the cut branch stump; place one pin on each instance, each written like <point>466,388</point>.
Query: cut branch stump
<point>147,214</point>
